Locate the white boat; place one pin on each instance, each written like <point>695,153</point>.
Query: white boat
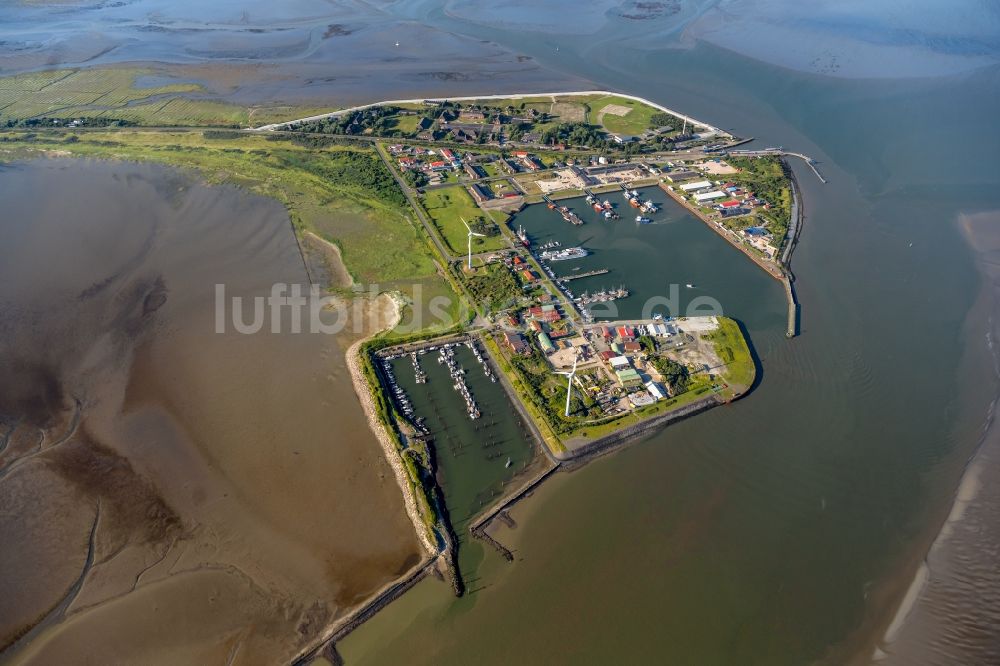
<point>689,286</point>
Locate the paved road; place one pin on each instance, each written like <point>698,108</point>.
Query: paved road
<point>411,199</point>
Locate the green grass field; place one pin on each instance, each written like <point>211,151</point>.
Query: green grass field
<point>634,122</point>
<point>446,207</point>
<point>434,307</point>
<point>407,124</point>
<point>732,348</point>
<point>343,194</point>
<point>492,169</point>
<point>586,108</point>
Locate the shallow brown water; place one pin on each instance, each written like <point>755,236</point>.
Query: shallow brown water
<point>952,609</point>
<point>171,494</point>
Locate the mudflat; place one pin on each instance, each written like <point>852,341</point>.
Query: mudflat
<point>185,494</point>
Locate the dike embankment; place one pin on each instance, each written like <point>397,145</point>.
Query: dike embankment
<point>580,455</point>
<point>388,444</point>
<point>388,594</point>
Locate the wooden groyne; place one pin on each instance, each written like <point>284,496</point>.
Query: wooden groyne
<point>478,527</point>
<point>511,499</point>
<point>499,547</point>
<point>506,519</point>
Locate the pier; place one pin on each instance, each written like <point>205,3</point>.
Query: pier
<point>566,213</point>
<point>793,309</point>
<point>578,276</point>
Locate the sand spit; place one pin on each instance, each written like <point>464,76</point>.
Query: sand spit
<point>950,608</point>
<point>379,430</point>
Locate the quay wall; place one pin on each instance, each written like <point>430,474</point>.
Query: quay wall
<point>772,269</point>
<point>479,523</point>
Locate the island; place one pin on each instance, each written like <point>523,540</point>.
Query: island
<point>427,200</point>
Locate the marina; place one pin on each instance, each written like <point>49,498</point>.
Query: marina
<point>477,459</point>
<point>564,211</point>
<point>446,356</point>
<point>602,296</point>
<point>652,261</point>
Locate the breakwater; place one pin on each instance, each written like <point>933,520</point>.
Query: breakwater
<point>506,502</point>
<point>794,231</point>
<point>620,438</point>
<point>777,271</point>
<point>327,644</point>
<point>479,526</point>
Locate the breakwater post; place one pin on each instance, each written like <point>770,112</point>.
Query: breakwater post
<point>793,308</point>
<point>499,547</point>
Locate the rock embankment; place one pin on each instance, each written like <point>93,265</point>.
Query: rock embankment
<point>386,440</point>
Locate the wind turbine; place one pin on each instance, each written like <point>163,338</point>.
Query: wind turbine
<point>569,384</point>
<point>471,234</point>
